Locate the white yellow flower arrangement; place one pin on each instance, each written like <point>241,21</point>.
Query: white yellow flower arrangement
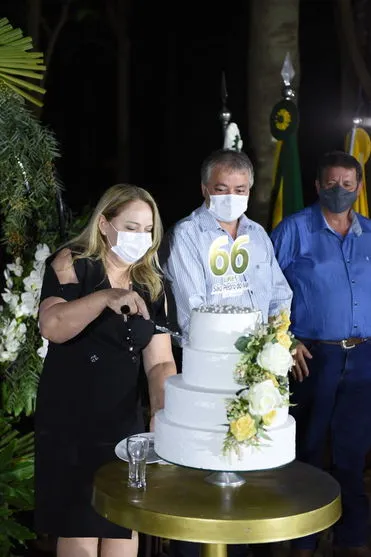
<point>262,372</point>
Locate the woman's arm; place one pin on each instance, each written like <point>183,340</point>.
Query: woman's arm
<point>60,320</point>
<point>158,364</point>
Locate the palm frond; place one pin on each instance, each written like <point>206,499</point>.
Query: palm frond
<point>16,483</point>
<point>16,63</point>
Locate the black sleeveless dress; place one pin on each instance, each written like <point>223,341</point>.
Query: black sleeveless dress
<point>89,398</point>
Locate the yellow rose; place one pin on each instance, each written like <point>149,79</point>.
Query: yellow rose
<point>243,428</point>
<point>272,377</point>
<point>268,418</point>
<point>283,338</point>
<point>285,321</point>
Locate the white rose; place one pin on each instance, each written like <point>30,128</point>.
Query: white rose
<point>275,358</point>
<point>263,398</point>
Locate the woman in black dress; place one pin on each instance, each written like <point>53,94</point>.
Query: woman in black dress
<point>89,391</point>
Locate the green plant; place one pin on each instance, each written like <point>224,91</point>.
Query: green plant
<point>29,231</point>
<point>16,484</point>
<point>28,183</point>
<point>16,62</point>
<point>29,217</point>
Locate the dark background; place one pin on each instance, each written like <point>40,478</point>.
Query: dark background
<point>178,53</point>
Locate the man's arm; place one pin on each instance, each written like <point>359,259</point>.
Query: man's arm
<point>281,292</point>
<point>181,262</point>
<point>283,239</point>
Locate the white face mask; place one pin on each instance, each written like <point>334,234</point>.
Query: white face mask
<point>228,208</point>
<point>131,246</point>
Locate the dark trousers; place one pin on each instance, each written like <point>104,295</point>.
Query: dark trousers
<point>333,411</point>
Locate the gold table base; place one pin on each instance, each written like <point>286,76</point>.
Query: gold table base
<point>272,505</point>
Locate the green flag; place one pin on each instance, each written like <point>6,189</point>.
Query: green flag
<point>287,186</point>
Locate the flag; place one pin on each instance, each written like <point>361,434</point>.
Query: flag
<point>287,186</point>
<point>358,144</point>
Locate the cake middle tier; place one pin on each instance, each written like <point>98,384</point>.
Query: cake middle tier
<point>202,408</point>
<point>210,370</point>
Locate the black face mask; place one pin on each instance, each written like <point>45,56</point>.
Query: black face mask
<point>337,199</point>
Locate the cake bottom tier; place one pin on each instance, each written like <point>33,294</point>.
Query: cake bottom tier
<point>203,448</point>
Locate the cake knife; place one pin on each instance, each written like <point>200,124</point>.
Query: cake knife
<point>125,310</point>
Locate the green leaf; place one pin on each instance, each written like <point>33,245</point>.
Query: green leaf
<point>242,343</point>
<point>15,530</point>
<point>13,48</point>
<point>16,483</point>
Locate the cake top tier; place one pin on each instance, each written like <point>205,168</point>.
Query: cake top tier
<point>224,309</point>
<point>217,328</point>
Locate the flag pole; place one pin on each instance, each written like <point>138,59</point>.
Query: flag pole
<point>356,122</point>
<point>284,121</point>
<point>224,114</point>
<point>288,74</point>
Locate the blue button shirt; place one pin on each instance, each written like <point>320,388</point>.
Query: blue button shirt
<point>330,275</point>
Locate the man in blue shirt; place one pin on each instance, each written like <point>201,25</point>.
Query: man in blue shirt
<point>325,254</point>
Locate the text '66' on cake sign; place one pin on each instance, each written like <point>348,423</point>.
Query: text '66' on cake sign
<point>262,371</point>
<point>237,260</point>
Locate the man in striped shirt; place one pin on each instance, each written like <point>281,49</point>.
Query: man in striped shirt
<point>216,255</point>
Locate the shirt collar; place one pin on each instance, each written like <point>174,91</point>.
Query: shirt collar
<point>319,222</point>
<point>208,222</point>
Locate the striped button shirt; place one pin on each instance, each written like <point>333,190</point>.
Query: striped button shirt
<point>203,264</point>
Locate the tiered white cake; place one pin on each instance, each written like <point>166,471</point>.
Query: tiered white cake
<point>191,429</point>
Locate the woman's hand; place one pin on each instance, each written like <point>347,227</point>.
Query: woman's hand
<point>118,297</point>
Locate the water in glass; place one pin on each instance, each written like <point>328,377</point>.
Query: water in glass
<point>137,448</point>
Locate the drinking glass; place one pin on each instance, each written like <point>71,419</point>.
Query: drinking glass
<point>137,448</point>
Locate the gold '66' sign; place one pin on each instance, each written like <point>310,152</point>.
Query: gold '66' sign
<point>220,260</point>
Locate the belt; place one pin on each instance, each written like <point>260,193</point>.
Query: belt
<point>346,343</point>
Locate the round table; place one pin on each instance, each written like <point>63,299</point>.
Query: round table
<point>272,505</point>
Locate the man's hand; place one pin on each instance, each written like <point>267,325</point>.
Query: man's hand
<point>152,424</point>
<point>300,369</point>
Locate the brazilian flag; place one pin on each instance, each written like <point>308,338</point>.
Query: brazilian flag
<point>361,150</point>
<point>287,186</point>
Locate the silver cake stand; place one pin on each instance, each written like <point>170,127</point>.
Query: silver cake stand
<point>225,479</point>
<point>215,477</point>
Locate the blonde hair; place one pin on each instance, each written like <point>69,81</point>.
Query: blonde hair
<point>91,243</point>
